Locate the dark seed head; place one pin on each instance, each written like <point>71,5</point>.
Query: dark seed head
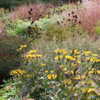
<point>76,16</point>
<point>68,19</point>
<point>32,22</point>
<point>75,20</point>
<point>31,9</point>
<point>29,12</point>
<point>69,14</point>
<point>29,17</point>
<point>58,23</point>
<point>79,22</point>
<point>72,12</point>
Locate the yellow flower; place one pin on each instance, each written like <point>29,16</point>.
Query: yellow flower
<point>83,76</point>
<point>38,56</point>
<point>90,89</point>
<point>85,53</point>
<point>78,62</point>
<point>64,69</point>
<point>64,52</point>
<point>43,65</point>
<point>74,51</point>
<point>98,71</point>
<point>27,76</point>
<point>51,71</point>
<point>73,64</point>
<point>77,78</point>
<point>91,72</point>
<point>94,55</point>
<point>23,46</point>
<point>51,76</point>
<point>46,71</point>
<point>69,81</point>
<point>88,59</point>
<point>65,81</point>
<point>84,89</point>
<point>32,51</point>
<point>68,57</point>
<point>17,72</point>
<point>58,51</point>
<point>30,56</point>
<point>58,57</point>
<point>72,72</point>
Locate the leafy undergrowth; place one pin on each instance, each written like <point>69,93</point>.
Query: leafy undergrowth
<point>68,75</point>
<point>63,63</point>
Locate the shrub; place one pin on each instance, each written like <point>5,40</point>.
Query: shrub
<point>63,31</point>
<point>70,75</point>
<point>17,27</point>
<point>9,57</point>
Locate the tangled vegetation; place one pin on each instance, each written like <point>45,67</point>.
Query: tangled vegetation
<point>50,51</point>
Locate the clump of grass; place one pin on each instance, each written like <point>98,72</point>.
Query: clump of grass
<point>34,11</point>
<point>89,14</point>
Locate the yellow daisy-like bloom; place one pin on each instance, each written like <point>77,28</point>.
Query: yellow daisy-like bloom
<point>68,57</point>
<point>69,81</point>
<point>43,65</point>
<point>23,46</point>
<point>72,72</point>
<point>51,71</point>
<point>64,69</point>
<point>27,76</point>
<point>90,90</point>
<point>51,76</point>
<point>74,51</point>
<point>78,62</point>
<point>59,51</point>
<point>32,51</point>
<point>73,64</point>
<point>38,56</point>
<point>83,76</point>
<point>85,53</point>
<point>94,55</point>
<point>98,71</point>
<point>88,59</point>
<point>46,71</point>
<point>84,89</point>
<point>77,78</point>
<point>17,72</point>
<point>91,72</point>
<point>58,57</point>
<point>64,52</point>
<point>30,56</point>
